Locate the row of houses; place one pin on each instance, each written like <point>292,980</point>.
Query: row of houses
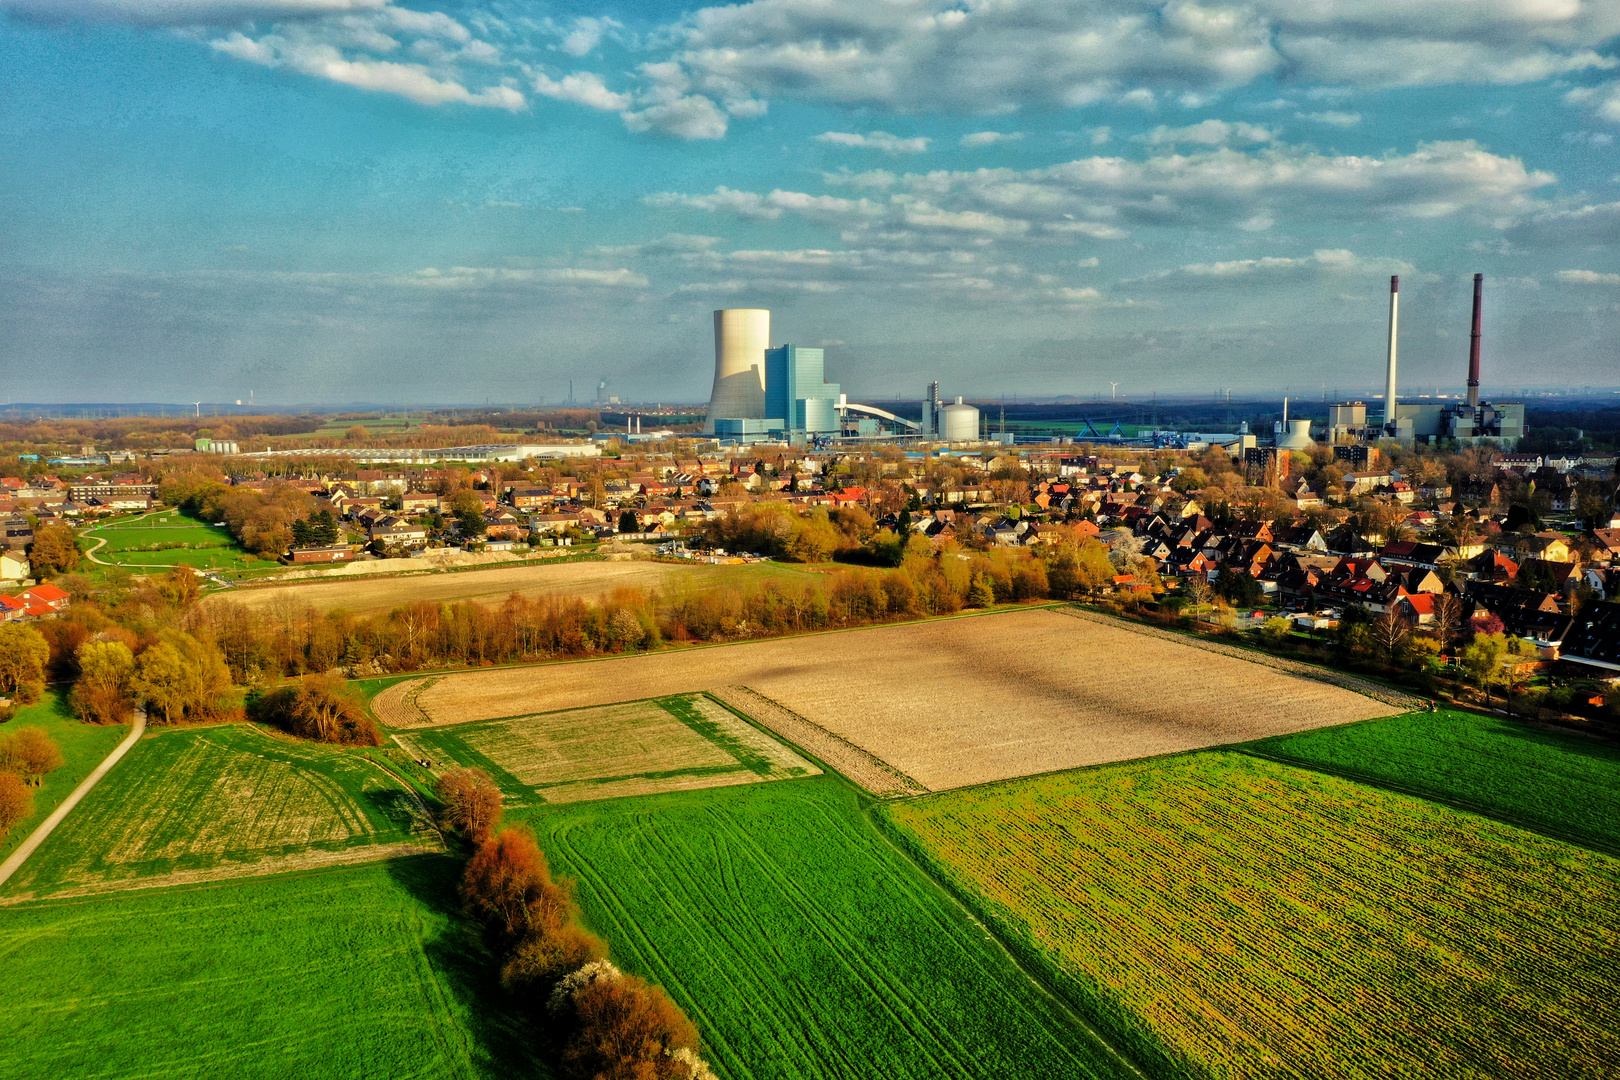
<point>37,602</point>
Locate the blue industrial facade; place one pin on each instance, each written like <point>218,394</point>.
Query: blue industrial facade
<point>796,388</point>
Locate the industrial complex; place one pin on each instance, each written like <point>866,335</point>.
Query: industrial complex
<point>782,393</point>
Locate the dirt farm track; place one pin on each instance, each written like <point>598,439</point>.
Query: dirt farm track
<point>948,702</point>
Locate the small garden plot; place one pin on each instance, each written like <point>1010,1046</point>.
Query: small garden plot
<point>635,748</point>
<point>223,802</point>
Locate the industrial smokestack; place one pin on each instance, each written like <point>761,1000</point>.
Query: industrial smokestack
<point>1473,346</point>
<point>1389,381</point>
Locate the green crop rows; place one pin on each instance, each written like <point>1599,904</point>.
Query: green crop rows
<point>364,971</point>
<point>205,801</point>
<point>1224,915</point>
<point>1563,785</point>
<point>804,945</point>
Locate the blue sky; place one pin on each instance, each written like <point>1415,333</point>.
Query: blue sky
<point>341,200</point>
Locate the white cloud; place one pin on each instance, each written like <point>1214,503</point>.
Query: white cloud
<point>1210,133</point>
<point>584,88</point>
<point>413,81</point>
<point>667,107</point>
<point>182,12</point>
<point>586,34</point>
<point>747,204</point>
<point>1603,101</point>
<point>1336,262</point>
<point>983,57</point>
<point>1336,119</point>
<point>1572,225</point>
<point>1586,277</point>
<point>989,138</point>
<point>876,140</point>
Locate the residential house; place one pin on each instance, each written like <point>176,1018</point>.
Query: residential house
<point>1593,640</point>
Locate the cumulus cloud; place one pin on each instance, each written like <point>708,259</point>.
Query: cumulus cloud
<point>876,140</point>
<point>181,12</point>
<point>941,54</point>
<point>470,277</point>
<point>989,138</point>
<point>1210,133</point>
<point>416,82</point>
<point>586,34</point>
<point>1586,277</point>
<point>1603,101</point>
<point>1571,225</point>
<point>667,106</point>
<point>1243,272</point>
<point>583,87</point>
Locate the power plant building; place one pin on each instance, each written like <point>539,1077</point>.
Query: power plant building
<point>741,336</point>
<point>959,423</point>
<point>797,390</point>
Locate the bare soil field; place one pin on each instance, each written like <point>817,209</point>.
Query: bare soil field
<point>946,703</point>
<point>365,595</point>
<point>636,748</point>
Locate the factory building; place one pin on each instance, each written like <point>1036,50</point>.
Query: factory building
<point>797,390</point>
<point>1427,422</point>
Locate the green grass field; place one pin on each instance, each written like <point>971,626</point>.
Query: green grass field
<point>144,541</point>
<point>1563,785</point>
<point>211,802</point>
<point>82,745</point>
<point>366,971</point>
<point>802,943</point>
<point>1224,915</point>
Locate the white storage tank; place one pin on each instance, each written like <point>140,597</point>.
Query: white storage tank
<point>959,423</point>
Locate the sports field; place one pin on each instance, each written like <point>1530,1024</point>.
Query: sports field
<point>1560,784</point>
<point>1225,915</point>
<point>803,945</point>
<point>364,971</point>
<point>637,748</point>
<point>947,702</point>
<point>209,803</point>
<point>170,538</point>
<point>83,746</point>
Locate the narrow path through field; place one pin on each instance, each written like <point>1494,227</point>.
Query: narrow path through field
<point>46,827</point>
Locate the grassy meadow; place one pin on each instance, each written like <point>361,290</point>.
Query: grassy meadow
<point>83,747</point>
<point>168,538</point>
<point>802,943</point>
<point>363,971</point>
<point>1224,915</point>
<point>1560,784</point>
<point>212,802</point>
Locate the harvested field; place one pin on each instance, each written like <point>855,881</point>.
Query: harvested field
<point>1227,916</point>
<point>382,592</point>
<point>637,748</point>
<point>209,803</point>
<point>947,702</point>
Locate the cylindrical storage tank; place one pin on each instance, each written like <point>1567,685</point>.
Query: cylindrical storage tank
<point>959,423</point>
<point>1298,436</point>
<point>741,336</point>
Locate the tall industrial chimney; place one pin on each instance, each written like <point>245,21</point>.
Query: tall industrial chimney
<point>1394,323</point>
<point>1473,347</point>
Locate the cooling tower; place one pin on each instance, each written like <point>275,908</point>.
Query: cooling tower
<point>741,336</point>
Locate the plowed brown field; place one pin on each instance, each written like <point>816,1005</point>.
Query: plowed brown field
<point>948,702</point>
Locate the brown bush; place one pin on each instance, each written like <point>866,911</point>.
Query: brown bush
<point>29,753</point>
<point>508,885</point>
<point>543,957</point>
<point>16,801</point>
<point>320,708</point>
<point>472,803</point>
<point>626,1029</point>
